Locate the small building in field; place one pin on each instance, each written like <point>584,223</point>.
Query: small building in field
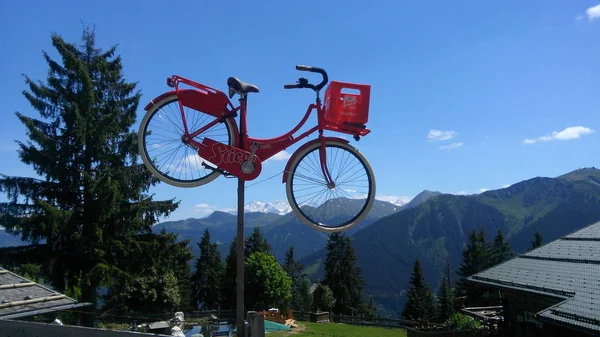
<point>553,290</point>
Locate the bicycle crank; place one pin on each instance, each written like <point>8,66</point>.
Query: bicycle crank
<point>248,166</point>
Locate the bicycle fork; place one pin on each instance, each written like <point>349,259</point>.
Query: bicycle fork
<point>323,160</point>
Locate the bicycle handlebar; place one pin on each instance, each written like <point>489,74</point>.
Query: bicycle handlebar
<point>303,83</point>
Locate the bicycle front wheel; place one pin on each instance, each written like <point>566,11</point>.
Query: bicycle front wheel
<point>164,153</point>
<point>331,209</point>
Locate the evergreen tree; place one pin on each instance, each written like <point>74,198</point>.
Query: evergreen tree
<point>445,300</point>
<point>256,242</point>
<point>89,201</point>
<point>500,250</point>
<point>157,277</point>
<point>371,307</point>
<point>537,241</point>
<point>343,276</point>
<point>322,299</point>
<point>477,256</point>
<point>420,304</point>
<point>209,274</point>
<point>229,278</point>
<point>446,295</point>
<point>304,300</point>
<point>293,269</point>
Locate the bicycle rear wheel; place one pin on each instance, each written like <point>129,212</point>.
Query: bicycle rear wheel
<point>325,209</point>
<point>164,153</point>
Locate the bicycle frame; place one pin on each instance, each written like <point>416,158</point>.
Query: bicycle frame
<point>217,104</point>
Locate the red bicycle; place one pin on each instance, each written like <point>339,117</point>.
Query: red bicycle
<point>189,137</point>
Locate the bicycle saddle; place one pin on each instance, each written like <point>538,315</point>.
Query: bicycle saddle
<point>240,86</point>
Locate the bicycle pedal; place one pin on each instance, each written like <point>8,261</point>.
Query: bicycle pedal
<point>223,173</point>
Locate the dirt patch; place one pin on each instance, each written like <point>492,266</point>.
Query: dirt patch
<point>297,329</point>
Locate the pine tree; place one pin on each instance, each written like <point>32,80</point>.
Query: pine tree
<point>305,298</point>
<point>89,201</point>
<point>293,269</point>
<point>256,242</point>
<point>209,274</point>
<point>537,241</point>
<point>229,278</point>
<point>371,307</point>
<point>477,256</point>
<point>322,299</point>
<point>157,278</point>
<point>420,304</point>
<point>500,250</point>
<point>445,300</point>
<point>343,276</point>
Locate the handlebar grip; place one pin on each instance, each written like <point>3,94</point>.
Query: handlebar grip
<point>290,86</point>
<point>303,68</point>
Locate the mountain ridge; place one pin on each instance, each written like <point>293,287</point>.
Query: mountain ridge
<point>436,230</point>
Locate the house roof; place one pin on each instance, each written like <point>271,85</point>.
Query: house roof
<point>21,297</point>
<point>567,269</point>
<point>313,287</point>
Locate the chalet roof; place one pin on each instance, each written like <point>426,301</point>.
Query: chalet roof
<point>567,269</point>
<point>20,297</point>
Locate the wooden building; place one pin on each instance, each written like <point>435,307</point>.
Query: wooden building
<point>553,290</point>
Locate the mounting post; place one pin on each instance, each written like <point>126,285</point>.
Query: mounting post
<point>240,241</point>
<point>240,260</point>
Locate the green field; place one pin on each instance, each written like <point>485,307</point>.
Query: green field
<point>307,329</point>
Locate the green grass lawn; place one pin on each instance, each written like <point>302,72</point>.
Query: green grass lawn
<point>307,329</point>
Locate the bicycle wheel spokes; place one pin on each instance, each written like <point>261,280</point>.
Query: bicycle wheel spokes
<point>335,207</point>
<point>170,159</point>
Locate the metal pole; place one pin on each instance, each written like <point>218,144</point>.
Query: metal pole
<point>240,260</point>
<point>240,245</point>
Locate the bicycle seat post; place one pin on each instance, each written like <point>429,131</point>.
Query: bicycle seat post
<point>240,227</point>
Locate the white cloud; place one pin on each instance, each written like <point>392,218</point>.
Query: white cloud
<point>204,209</point>
<point>435,135</point>
<point>481,190</point>
<point>192,163</point>
<point>572,132</point>
<point>592,13</point>
<point>505,185</point>
<point>283,155</point>
<point>452,146</point>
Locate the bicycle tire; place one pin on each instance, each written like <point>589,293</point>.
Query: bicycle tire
<point>370,200</point>
<point>142,147</point>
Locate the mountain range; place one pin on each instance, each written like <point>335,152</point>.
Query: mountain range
<point>280,230</point>
<point>432,227</point>
<point>436,230</point>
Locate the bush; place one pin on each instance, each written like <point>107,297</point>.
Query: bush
<point>459,321</point>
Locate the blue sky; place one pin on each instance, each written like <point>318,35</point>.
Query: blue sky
<point>466,95</point>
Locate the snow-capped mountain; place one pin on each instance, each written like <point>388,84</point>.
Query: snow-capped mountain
<point>278,207</point>
<point>282,207</point>
<point>395,200</point>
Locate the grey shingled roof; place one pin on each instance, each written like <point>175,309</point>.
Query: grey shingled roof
<point>21,297</point>
<point>567,269</point>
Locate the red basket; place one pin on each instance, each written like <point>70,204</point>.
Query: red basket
<point>342,108</point>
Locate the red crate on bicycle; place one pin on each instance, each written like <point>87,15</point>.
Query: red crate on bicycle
<point>343,107</point>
